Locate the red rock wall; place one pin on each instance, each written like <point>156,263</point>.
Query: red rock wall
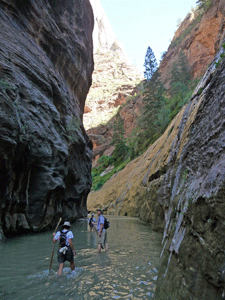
<point>199,42</point>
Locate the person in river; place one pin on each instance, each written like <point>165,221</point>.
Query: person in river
<point>102,232</point>
<point>66,249</point>
<point>92,222</point>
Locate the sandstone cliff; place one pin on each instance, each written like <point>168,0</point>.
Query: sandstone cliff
<point>114,78</point>
<point>199,37</point>
<point>46,64</point>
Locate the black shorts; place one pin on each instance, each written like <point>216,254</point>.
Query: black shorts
<point>67,256</point>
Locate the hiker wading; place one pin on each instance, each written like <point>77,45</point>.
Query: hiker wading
<point>66,249</point>
<point>102,232</point>
<point>92,222</point>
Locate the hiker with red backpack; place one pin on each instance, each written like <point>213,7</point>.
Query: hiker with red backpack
<point>102,225</point>
<point>66,249</point>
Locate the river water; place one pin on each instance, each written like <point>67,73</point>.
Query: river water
<point>127,271</point>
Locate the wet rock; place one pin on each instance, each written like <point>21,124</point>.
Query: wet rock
<point>46,64</point>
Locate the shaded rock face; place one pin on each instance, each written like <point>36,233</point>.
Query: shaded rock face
<point>194,236</point>
<point>46,64</point>
<point>178,186</point>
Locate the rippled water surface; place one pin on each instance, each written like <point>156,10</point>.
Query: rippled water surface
<point>127,271</point>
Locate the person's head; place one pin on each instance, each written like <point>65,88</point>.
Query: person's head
<point>66,225</point>
<point>99,212</point>
<point>92,214</point>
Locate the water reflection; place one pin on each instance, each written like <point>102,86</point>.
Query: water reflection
<point>127,271</point>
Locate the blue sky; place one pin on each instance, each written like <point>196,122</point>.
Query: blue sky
<point>143,23</point>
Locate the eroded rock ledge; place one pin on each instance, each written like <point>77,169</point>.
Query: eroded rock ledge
<point>46,64</point>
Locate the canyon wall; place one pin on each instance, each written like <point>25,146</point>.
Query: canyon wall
<point>178,186</point>
<point>199,37</point>
<point>46,63</point>
<point>114,78</point>
<point>114,85</point>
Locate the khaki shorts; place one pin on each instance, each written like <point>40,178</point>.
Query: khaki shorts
<point>103,239</point>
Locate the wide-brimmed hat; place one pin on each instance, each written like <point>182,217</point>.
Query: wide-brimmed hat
<point>99,209</point>
<point>92,214</point>
<point>66,224</point>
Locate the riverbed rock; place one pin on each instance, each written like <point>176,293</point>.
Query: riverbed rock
<point>46,63</point>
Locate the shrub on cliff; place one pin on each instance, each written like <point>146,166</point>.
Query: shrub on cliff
<point>203,5</point>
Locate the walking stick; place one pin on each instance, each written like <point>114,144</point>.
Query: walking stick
<point>54,246</point>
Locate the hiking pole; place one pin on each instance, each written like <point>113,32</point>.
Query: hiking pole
<point>54,245</point>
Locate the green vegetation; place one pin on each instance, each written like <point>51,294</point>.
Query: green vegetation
<point>119,159</point>
<point>119,141</point>
<point>105,161</point>
<point>184,175</point>
<point>4,86</point>
<point>160,107</point>
<point>221,57</point>
<point>150,64</point>
<point>72,128</point>
<point>203,6</point>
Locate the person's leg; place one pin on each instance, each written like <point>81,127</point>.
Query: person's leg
<point>61,261</point>
<point>100,242</point>
<point>72,265</point>
<point>105,241</point>
<point>60,269</point>
<point>70,258</point>
<point>99,247</point>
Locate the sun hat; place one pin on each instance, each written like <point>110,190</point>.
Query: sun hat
<point>92,214</point>
<point>99,209</point>
<point>66,224</point>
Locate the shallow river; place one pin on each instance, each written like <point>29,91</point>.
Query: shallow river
<point>127,271</point>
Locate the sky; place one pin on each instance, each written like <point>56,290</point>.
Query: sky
<point>142,23</point>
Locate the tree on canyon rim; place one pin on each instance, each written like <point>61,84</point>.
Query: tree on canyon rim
<point>153,101</point>
<point>150,64</point>
<point>118,140</point>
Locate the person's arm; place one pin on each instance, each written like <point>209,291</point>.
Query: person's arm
<point>100,230</point>
<point>55,237</point>
<point>72,247</point>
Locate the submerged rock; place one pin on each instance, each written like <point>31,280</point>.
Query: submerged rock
<point>46,64</point>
